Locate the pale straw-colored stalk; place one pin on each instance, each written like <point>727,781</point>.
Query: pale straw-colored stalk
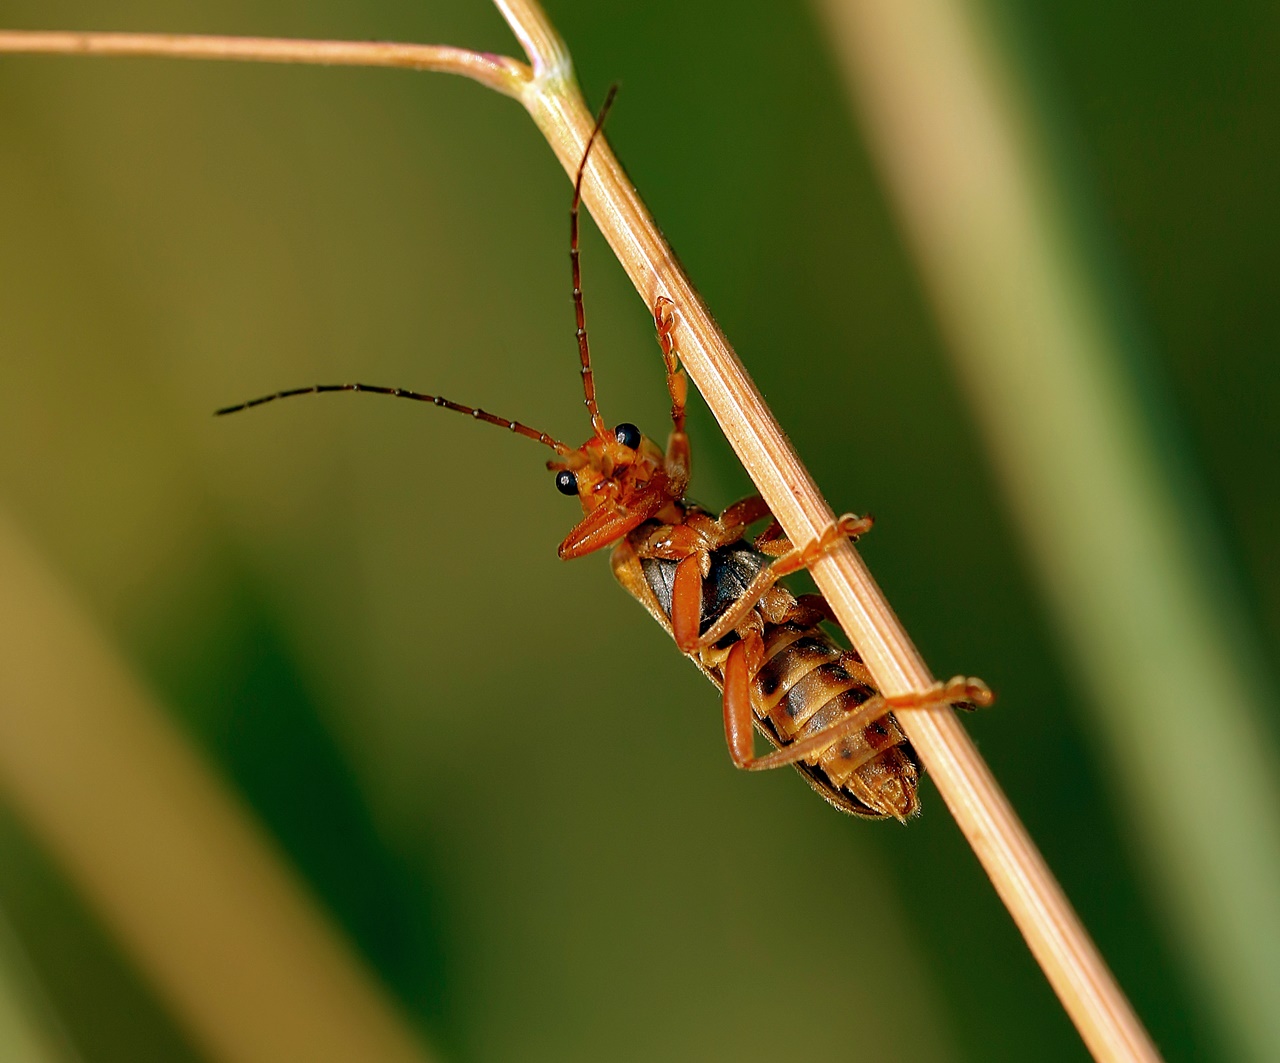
<point>548,91</point>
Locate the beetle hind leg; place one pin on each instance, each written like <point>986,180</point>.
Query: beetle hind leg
<point>739,670</point>
<point>961,692</point>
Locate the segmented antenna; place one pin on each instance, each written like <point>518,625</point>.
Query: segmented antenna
<point>584,351</point>
<point>416,396</point>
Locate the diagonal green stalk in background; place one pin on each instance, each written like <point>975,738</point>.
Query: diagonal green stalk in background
<point>182,876</point>
<point>1111,518</point>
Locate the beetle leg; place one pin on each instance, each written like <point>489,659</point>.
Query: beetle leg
<point>960,692</point>
<point>664,318</point>
<point>686,603</point>
<point>740,667</point>
<point>706,526</point>
<point>677,461</point>
<point>811,609</point>
<point>734,520</point>
<point>792,561</point>
<point>743,662</point>
<point>672,542</point>
<point>811,747</point>
<point>606,524</point>
<point>964,692</point>
<point>676,464</point>
<point>774,542</point>
<point>737,518</point>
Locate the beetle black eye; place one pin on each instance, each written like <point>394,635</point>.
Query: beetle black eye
<point>627,434</point>
<point>566,482</point>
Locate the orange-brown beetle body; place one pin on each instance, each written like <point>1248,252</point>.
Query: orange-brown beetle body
<point>804,685</point>
<point>717,594</point>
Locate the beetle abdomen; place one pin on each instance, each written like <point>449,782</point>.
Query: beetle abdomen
<point>808,683</point>
<point>732,570</point>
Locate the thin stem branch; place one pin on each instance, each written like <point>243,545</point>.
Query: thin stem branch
<point>497,72</point>
<point>1025,884</point>
<point>538,38</point>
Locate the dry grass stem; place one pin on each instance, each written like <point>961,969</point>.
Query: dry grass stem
<point>1052,930</point>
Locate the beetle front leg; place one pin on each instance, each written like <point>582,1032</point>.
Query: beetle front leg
<point>664,319</point>
<point>676,463</point>
<point>734,520</point>
<point>677,459</point>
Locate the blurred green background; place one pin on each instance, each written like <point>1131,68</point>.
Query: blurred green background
<point>491,767</point>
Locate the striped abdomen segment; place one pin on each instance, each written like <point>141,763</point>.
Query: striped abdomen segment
<point>808,683</point>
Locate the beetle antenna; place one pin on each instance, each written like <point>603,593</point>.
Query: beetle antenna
<point>584,352</point>
<point>405,393</point>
